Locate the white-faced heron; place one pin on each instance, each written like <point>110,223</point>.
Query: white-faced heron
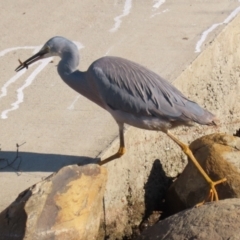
<point>131,93</point>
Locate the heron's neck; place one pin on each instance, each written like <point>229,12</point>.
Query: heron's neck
<point>77,80</point>
<point>69,63</point>
<point>67,69</point>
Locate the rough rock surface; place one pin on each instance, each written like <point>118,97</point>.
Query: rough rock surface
<point>212,221</point>
<point>66,205</point>
<point>219,155</point>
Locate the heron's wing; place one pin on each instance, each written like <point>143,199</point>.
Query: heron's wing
<point>132,88</point>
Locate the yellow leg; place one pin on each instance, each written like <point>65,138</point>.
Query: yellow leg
<point>118,154</point>
<point>120,151</point>
<point>213,193</point>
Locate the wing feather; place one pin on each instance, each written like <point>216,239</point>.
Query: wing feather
<point>132,88</point>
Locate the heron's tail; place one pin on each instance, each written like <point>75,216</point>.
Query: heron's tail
<point>213,121</point>
<point>195,113</point>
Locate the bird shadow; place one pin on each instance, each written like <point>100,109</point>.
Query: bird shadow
<point>155,192</point>
<point>15,161</point>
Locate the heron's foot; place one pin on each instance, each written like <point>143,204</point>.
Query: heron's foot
<point>213,195</point>
<point>118,154</point>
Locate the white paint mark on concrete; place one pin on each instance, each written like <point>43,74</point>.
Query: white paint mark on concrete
<point>9,82</point>
<point>108,51</point>
<point>204,36</point>
<point>166,10</point>
<point>4,52</point>
<point>158,3</point>
<point>28,81</point>
<point>117,43</point>
<point>126,11</point>
<point>206,32</point>
<point>158,13</point>
<point>71,107</point>
<point>232,15</point>
<point>79,45</point>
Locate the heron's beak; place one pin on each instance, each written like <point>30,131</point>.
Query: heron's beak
<point>32,59</point>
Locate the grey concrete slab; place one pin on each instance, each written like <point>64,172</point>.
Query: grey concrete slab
<point>57,125</point>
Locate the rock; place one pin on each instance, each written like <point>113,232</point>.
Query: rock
<point>212,221</point>
<point>66,205</point>
<point>219,155</point>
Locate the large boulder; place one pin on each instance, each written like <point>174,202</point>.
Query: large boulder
<point>66,205</point>
<point>212,221</point>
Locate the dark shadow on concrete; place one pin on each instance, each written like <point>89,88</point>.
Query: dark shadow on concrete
<point>39,162</point>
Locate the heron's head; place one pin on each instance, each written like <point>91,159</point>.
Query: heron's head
<point>55,46</point>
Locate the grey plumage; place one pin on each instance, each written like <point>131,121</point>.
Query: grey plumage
<point>117,84</point>
<point>131,93</point>
<point>132,88</point>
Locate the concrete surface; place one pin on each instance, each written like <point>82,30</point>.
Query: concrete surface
<point>57,126</point>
